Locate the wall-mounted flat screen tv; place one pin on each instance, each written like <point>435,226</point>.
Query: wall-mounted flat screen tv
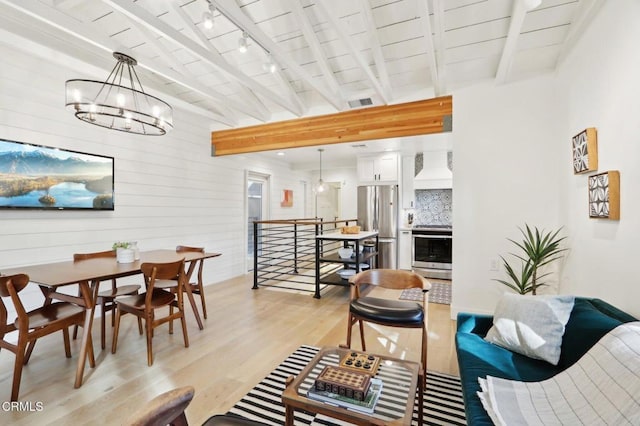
<point>42,177</point>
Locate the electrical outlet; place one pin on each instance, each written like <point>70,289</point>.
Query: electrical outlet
<point>494,265</point>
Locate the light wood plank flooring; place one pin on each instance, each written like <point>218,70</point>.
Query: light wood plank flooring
<point>247,334</point>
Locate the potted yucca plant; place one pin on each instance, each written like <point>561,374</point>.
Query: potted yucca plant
<point>538,248</point>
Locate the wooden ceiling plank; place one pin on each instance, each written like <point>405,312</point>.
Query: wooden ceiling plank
<point>231,10</point>
<point>153,23</point>
<point>423,13</point>
<point>408,119</point>
<point>82,31</point>
<point>520,9</point>
<point>376,48</point>
<point>439,45</point>
<point>151,40</point>
<point>588,9</point>
<point>250,99</point>
<point>353,50</point>
<point>316,49</point>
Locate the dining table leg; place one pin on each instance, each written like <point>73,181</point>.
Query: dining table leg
<point>187,288</point>
<point>86,346</point>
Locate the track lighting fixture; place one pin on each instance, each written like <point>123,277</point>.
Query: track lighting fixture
<point>243,42</point>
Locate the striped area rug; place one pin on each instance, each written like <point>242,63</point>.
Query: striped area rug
<point>442,400</point>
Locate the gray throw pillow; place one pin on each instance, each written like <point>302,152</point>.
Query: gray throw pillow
<point>531,325</point>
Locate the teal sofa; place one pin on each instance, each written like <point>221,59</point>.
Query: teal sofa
<point>590,319</point>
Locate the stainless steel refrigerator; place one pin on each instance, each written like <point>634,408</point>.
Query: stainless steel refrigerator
<point>378,211</point>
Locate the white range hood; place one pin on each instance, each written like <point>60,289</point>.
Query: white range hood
<point>435,173</point>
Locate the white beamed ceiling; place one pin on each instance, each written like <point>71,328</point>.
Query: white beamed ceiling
<point>382,49</point>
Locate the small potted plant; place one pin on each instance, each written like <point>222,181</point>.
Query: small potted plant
<point>124,252</point>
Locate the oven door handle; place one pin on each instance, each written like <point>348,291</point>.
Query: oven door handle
<point>443,237</point>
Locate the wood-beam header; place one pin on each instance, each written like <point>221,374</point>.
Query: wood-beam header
<point>387,121</point>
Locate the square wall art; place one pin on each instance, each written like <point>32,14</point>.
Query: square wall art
<point>604,195</point>
<point>287,198</point>
<point>585,151</point>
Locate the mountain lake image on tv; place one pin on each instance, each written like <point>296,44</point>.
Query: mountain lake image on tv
<point>41,177</point>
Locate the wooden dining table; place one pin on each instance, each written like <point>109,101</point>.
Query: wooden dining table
<point>88,274</point>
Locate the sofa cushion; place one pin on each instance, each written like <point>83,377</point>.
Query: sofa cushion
<point>531,325</point>
<point>587,324</point>
<point>477,358</point>
<point>590,320</point>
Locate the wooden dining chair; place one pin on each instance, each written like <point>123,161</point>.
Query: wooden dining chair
<point>191,288</point>
<point>144,305</point>
<point>388,312</point>
<point>106,298</point>
<point>196,286</point>
<point>165,409</point>
<point>31,325</point>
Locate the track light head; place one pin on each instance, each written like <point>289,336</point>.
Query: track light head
<point>207,20</point>
<point>243,42</point>
<point>270,65</point>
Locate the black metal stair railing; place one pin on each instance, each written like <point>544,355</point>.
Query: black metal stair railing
<point>284,251</point>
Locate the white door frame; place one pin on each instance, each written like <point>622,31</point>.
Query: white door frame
<point>266,208</point>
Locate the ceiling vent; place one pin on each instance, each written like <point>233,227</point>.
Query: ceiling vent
<point>360,102</point>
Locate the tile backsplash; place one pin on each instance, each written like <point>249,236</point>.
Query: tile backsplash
<point>433,207</point>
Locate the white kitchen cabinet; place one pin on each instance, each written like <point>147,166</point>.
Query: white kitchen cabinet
<point>404,249</point>
<point>408,193</point>
<point>381,168</point>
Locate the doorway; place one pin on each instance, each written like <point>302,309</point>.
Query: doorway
<point>257,209</point>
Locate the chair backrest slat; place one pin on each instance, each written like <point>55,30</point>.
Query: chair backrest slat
<point>389,278</point>
<point>85,256</point>
<point>10,286</point>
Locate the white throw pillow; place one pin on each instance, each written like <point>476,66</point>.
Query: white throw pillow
<point>531,325</point>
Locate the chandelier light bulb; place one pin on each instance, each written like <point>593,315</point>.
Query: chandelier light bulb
<point>127,121</point>
<point>77,95</point>
<point>155,110</point>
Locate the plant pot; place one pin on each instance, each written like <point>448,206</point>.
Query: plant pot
<point>125,255</point>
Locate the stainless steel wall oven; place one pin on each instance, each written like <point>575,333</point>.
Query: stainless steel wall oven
<point>431,251</point>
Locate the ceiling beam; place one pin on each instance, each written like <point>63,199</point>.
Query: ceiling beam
<point>314,44</point>
<point>84,32</point>
<point>587,10</point>
<point>520,9</point>
<point>143,17</point>
<point>247,96</point>
<point>423,13</point>
<point>376,49</point>
<point>438,46</point>
<point>386,121</point>
<point>353,49</point>
<point>150,39</point>
<point>232,11</point>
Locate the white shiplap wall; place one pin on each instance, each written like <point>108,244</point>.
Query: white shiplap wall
<point>168,189</point>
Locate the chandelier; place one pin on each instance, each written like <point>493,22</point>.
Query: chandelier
<point>115,105</point>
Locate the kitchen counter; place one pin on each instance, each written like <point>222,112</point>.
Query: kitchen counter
<point>339,236</point>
